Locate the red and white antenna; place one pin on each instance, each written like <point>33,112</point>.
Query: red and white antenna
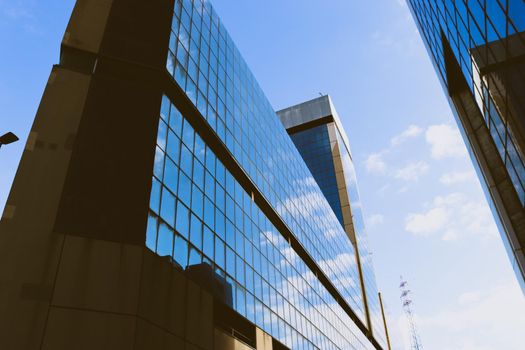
<point>406,300</point>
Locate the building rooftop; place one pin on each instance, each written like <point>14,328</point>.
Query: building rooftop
<point>310,111</point>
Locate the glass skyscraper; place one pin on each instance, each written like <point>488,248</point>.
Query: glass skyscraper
<point>166,206</point>
<point>478,51</point>
<point>317,132</point>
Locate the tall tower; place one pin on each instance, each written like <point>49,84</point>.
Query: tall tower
<point>316,130</point>
<point>415,340</point>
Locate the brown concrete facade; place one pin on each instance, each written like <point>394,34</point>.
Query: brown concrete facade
<point>74,269</point>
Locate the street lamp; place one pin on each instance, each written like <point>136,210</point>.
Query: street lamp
<point>8,138</point>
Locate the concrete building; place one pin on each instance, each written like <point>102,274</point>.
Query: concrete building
<point>160,203</point>
<point>318,134</point>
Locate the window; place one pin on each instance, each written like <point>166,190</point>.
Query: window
<point>182,224</point>
<point>181,251</point>
<point>171,174</point>
<point>196,232</point>
<point>208,242</point>
<point>165,241</point>
<point>167,210</point>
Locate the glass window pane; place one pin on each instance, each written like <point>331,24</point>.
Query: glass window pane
<point>220,197</point>
<point>239,244</point>
<point>158,167</point>
<point>162,134</point>
<point>196,232</point>
<point>183,220</point>
<point>195,257</point>
<point>209,213</point>
<point>208,242</point>
<point>186,161</point>
<point>220,174</point>
<point>173,148</point>
<point>151,233</point>
<point>220,224</point>
<point>184,193</point>
<point>165,240</point>
<point>180,75</point>
<point>181,251</point>
<point>230,208</point>
<point>198,174</point>
<point>165,108</point>
<point>517,14</point>
<point>230,261</point>
<point>219,253</point>
<point>209,187</point>
<point>249,278</point>
<point>197,201</point>
<point>250,307</point>
<point>154,202</point>
<point>230,234</point>
<point>241,301</point>
<point>210,161</point>
<point>239,270</point>
<point>176,121</point>
<point>188,135</point>
<point>167,210</point>
<point>200,149</point>
<point>171,174</point>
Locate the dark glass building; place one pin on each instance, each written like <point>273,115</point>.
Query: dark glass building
<point>317,132</point>
<point>478,50</point>
<point>161,204</point>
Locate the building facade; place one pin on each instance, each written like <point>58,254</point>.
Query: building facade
<point>478,51</point>
<point>316,130</point>
<point>161,204</point>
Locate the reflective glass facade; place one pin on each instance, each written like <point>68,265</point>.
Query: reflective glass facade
<point>318,150</point>
<point>485,39</point>
<point>472,28</point>
<point>314,146</point>
<point>200,213</point>
<point>327,154</point>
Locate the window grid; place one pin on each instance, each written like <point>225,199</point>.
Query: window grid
<point>212,220</point>
<point>230,99</point>
<point>468,25</point>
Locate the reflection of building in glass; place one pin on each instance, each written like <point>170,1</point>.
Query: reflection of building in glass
<point>317,132</point>
<point>478,50</point>
<point>160,203</point>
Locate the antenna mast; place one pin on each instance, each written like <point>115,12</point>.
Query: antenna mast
<point>407,307</point>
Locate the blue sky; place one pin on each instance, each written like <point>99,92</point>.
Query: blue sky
<point>427,217</point>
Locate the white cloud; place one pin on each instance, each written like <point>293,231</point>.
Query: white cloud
<point>375,164</point>
<point>445,141</point>
<point>412,171</point>
<point>453,216</point>
<point>375,219</point>
<point>410,132</point>
<point>428,222</point>
<point>482,319</point>
<point>457,177</point>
